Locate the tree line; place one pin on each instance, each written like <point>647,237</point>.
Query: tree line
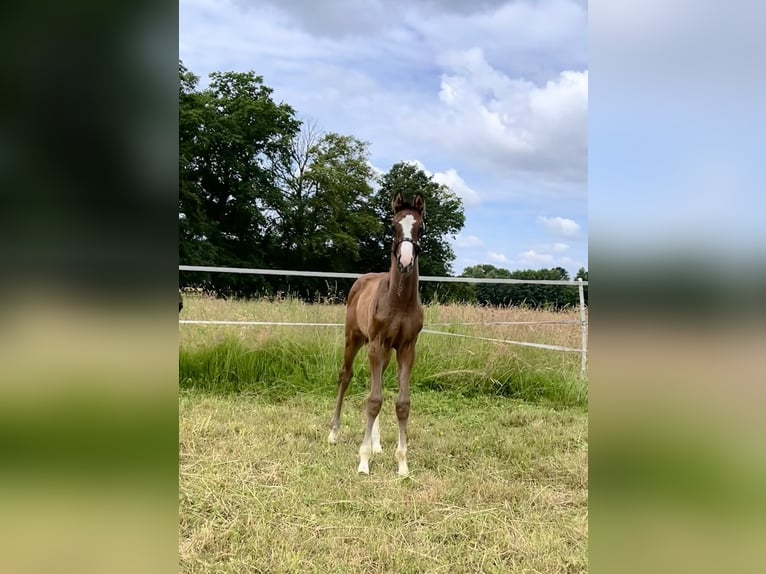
<point>259,188</point>
<point>531,295</point>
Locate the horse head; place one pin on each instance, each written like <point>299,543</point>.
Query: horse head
<point>409,228</point>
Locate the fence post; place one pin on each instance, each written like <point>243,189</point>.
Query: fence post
<point>584,329</point>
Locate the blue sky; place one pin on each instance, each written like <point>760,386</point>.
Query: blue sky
<point>675,163</point>
<point>491,97</point>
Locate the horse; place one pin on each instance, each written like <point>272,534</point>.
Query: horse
<point>384,311</point>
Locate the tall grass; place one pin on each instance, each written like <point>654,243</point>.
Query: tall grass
<point>279,361</point>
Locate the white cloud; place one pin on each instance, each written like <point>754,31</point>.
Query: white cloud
<point>532,257</point>
<point>531,38</point>
<point>554,28</point>
<point>508,125</point>
<point>451,179</point>
<point>547,256</point>
<point>332,19</point>
<point>497,257</point>
<point>373,70</point>
<point>468,241</point>
<point>560,226</point>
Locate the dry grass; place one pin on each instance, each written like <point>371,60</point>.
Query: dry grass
<point>437,317</point>
<point>496,486</point>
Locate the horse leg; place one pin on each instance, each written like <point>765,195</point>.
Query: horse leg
<point>344,377</point>
<point>405,357</point>
<point>376,447</point>
<point>378,357</point>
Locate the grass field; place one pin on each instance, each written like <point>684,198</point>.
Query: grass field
<point>497,449</point>
<point>280,360</point>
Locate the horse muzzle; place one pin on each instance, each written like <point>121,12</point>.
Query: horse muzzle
<point>405,269</point>
<point>405,259</point>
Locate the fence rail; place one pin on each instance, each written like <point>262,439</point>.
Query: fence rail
<point>336,275</point>
<point>329,274</point>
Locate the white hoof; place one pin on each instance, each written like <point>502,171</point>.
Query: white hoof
<point>403,470</point>
<point>332,438</point>
<point>377,449</point>
<point>363,468</point>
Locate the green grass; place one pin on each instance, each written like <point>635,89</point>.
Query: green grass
<point>281,367</point>
<point>280,361</point>
<point>496,486</point>
<point>497,448</point>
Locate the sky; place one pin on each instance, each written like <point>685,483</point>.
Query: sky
<point>490,97</point>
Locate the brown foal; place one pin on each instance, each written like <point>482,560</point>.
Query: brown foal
<point>384,311</point>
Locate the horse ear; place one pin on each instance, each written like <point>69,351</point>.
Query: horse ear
<point>420,203</point>
<point>397,202</point>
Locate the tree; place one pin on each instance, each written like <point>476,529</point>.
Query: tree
<point>324,207</point>
<point>260,189</point>
<point>232,135</point>
<point>548,296</point>
<point>444,216</point>
<point>194,225</point>
<point>490,293</point>
<point>533,295</point>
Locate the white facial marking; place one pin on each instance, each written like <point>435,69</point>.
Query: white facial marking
<point>405,250</point>
<point>407,222</point>
<point>405,254</point>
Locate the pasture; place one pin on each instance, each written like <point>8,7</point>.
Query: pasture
<point>498,447</point>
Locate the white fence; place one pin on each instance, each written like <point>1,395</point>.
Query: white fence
<point>583,350</point>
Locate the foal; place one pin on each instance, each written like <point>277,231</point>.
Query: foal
<point>384,311</point>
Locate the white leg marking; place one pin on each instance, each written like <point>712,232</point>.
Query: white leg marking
<point>364,457</point>
<point>376,448</point>
<point>332,438</point>
<point>401,456</point>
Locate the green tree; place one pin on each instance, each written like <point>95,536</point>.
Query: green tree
<point>532,295</point>
<point>543,296</point>
<point>194,225</point>
<point>490,293</point>
<point>232,135</point>
<point>444,217</point>
<point>324,207</point>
